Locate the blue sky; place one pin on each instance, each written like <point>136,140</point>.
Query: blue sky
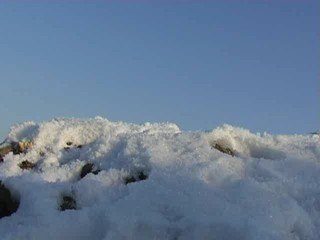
<point>253,64</point>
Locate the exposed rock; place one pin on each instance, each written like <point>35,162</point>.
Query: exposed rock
<point>68,202</point>
<point>136,177</point>
<point>69,143</point>
<point>15,147</point>
<point>224,149</point>
<point>26,165</point>
<point>8,205</point>
<point>21,147</point>
<point>88,168</point>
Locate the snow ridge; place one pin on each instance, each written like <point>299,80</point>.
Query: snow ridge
<point>269,189</point>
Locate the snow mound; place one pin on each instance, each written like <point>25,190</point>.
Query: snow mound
<point>102,180</point>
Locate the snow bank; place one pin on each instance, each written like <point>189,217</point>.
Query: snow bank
<point>268,190</point>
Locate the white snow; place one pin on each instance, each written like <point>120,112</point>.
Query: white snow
<point>270,190</point>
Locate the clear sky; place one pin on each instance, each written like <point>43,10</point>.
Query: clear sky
<point>253,64</point>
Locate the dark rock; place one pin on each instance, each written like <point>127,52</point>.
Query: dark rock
<point>68,202</point>
<point>88,168</point>
<point>26,165</point>
<point>136,177</point>
<point>224,149</point>
<point>69,143</point>
<point>66,148</point>
<point>79,146</point>
<point>8,205</point>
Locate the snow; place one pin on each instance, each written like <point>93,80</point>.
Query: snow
<point>268,190</point>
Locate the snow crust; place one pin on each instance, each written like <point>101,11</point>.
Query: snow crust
<point>268,191</point>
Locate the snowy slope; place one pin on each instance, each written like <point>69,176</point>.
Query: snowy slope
<point>268,190</point>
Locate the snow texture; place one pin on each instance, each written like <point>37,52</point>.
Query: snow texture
<point>268,191</point>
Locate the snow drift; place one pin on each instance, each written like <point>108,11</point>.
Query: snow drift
<point>269,189</point>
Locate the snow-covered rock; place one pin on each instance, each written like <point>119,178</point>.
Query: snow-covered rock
<point>188,190</point>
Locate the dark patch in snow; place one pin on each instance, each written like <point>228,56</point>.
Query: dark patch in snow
<point>67,203</point>
<point>136,177</point>
<point>26,165</point>
<point>88,168</point>
<point>71,145</point>
<point>8,205</point>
